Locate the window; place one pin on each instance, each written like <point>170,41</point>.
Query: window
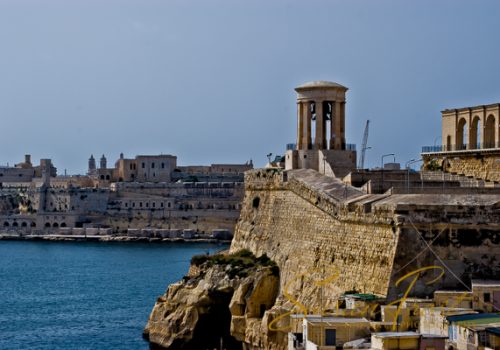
<point>154,204</point>
<point>143,165</point>
<point>126,205</point>
<point>161,204</point>
<point>140,204</point>
<point>168,204</point>
<point>487,297</point>
<point>152,165</point>
<point>147,205</point>
<point>163,165</point>
<point>330,337</point>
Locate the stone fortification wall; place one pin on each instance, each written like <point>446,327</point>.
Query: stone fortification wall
<point>303,226</point>
<point>329,238</point>
<point>482,164</point>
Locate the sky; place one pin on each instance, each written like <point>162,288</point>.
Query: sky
<point>213,81</point>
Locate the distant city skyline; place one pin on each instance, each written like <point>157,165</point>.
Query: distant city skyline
<point>213,81</point>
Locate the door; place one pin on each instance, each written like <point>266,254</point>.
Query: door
<point>330,336</point>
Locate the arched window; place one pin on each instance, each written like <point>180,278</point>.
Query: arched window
<point>461,135</point>
<point>489,132</point>
<point>475,133</point>
<point>15,224</point>
<point>24,224</point>
<point>47,224</point>
<point>63,224</point>
<point>6,224</point>
<point>55,224</point>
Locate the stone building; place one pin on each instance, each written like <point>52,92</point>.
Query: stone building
<point>148,191</point>
<point>321,143</point>
<point>470,143</point>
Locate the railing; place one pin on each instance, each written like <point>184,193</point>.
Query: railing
<point>451,148</point>
<point>347,146</point>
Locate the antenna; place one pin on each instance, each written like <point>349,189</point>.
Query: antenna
<point>361,164</point>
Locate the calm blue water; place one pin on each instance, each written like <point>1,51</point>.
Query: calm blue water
<point>84,295</point>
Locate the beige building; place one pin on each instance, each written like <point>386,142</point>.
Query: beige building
<point>321,143</point>
<point>468,332</point>
<point>328,333</point>
<point>470,143</point>
<point>433,320</point>
<point>486,295</point>
<point>471,127</point>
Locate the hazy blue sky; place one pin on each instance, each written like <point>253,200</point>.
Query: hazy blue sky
<point>213,81</point>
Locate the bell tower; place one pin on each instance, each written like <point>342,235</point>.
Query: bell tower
<point>321,142</point>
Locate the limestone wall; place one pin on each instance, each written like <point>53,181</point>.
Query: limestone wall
<point>329,238</point>
<point>483,165</point>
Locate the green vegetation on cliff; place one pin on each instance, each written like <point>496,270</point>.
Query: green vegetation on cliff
<point>240,262</point>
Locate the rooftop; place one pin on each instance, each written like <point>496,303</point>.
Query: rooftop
<point>333,319</point>
<point>319,84</point>
<point>474,319</point>
<point>397,334</point>
<point>471,108</point>
<point>485,283</point>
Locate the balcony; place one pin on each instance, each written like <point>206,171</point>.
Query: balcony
<point>346,147</point>
<point>460,148</point>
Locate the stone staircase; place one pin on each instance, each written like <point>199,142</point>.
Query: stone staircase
<point>465,181</point>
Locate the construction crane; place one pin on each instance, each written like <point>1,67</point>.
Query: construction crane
<point>361,164</point>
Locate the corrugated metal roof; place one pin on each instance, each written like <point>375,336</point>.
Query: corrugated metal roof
<point>474,319</point>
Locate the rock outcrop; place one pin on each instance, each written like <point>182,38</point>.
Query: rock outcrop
<point>222,297</point>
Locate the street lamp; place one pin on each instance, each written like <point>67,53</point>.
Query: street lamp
<point>382,166</point>
<point>407,165</point>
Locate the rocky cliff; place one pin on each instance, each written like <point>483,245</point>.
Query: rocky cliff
<point>220,298</point>
<point>328,238</point>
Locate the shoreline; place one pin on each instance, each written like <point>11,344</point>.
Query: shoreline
<point>106,238</point>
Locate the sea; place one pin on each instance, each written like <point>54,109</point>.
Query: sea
<point>83,295</point>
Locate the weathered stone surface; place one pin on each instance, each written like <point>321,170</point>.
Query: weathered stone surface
<point>328,238</point>
<point>209,304</point>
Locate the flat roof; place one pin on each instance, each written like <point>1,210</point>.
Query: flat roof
<point>332,319</point>
<point>363,296</point>
<point>397,334</point>
<point>485,283</point>
<point>494,330</point>
<point>474,319</point>
<point>472,108</point>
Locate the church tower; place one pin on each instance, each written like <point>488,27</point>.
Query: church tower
<point>92,167</point>
<point>103,162</point>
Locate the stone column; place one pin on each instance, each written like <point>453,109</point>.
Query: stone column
<point>320,126</point>
<point>333,120</point>
<point>308,117</point>
<point>469,129</point>
<point>342,125</point>
<point>497,128</point>
<point>482,119</point>
<point>300,126</point>
<point>338,117</point>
